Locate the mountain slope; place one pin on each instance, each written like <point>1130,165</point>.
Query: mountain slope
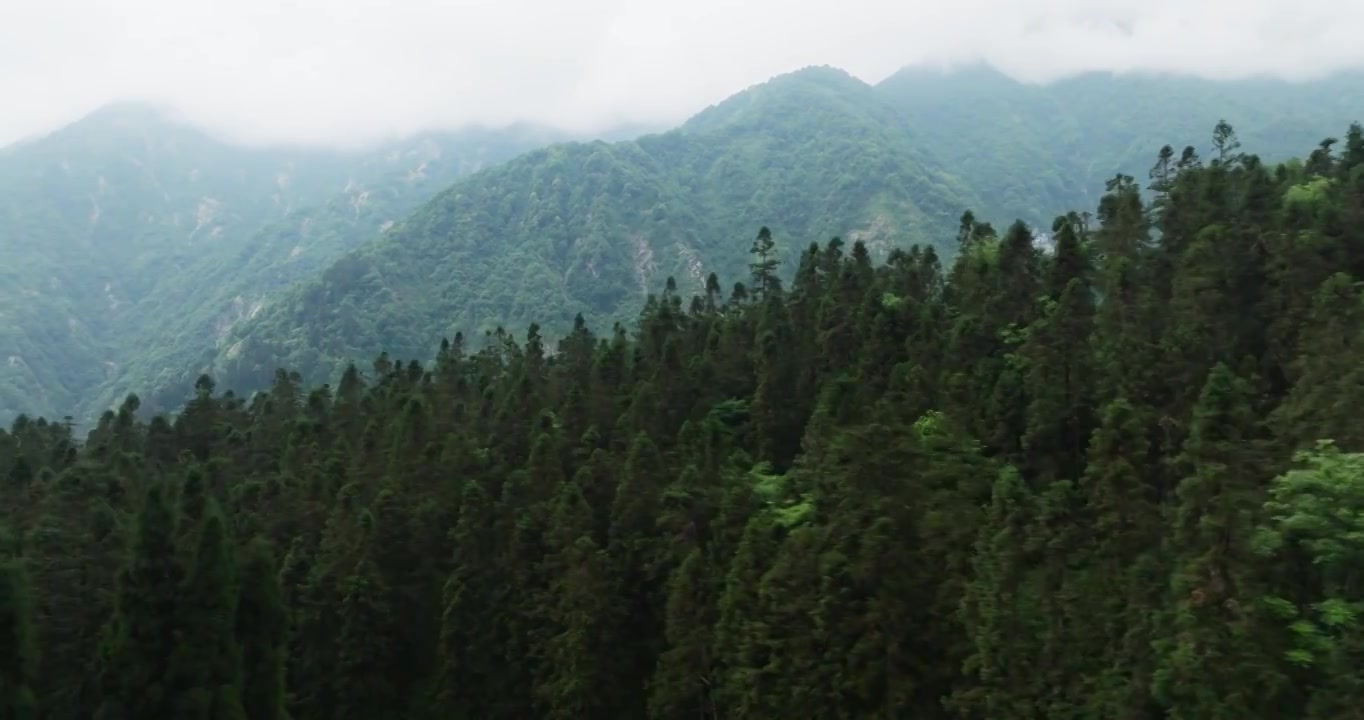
<point>1034,151</point>
<point>185,317</point>
<point>93,215</point>
<point>123,234</point>
<point>591,228</point>
<point>148,254</point>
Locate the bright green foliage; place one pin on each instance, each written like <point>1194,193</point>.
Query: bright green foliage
<point>1313,526</point>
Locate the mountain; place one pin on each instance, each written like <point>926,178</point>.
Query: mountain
<point>592,228</point>
<point>1034,151</point>
<point>141,253</point>
<point>92,216</point>
<point>131,239</point>
<point>189,313</point>
<point>1117,480</point>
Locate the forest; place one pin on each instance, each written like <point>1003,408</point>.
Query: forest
<point>1118,475</point>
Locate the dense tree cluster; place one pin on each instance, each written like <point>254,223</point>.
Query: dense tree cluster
<point>1120,476</point>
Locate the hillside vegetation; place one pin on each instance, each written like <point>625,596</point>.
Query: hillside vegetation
<point>140,253</point>
<point>1123,478</point>
<point>190,313</point>
<point>591,229</point>
<point>1031,151</point>
<point>131,242</point>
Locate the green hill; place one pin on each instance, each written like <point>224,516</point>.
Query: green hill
<point>592,228</point>
<point>188,314</point>
<point>129,241</point>
<point>93,216</point>
<point>1034,151</point>
<point>140,254</point>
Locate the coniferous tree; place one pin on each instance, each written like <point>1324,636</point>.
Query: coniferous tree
<point>1036,483</point>
<point>205,671</point>
<point>262,634</point>
<point>18,659</point>
<point>141,638</point>
<point>1211,664</point>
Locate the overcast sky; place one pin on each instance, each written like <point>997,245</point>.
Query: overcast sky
<point>351,70</point>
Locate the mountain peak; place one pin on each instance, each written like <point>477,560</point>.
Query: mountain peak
<point>127,115</point>
<point>118,121</point>
<point>793,92</point>
<point>818,73</point>
<point>976,78</point>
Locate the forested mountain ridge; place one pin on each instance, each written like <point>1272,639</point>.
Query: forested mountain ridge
<point>1120,478</point>
<point>199,305</point>
<point>888,164</point>
<point>93,214</point>
<point>129,239</point>
<point>591,229</point>
<point>1033,150</point>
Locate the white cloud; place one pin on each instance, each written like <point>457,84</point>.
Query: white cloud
<point>351,70</point>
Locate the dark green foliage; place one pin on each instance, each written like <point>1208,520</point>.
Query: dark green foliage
<point>18,652</point>
<point>262,625</point>
<point>141,637</point>
<point>1117,478</point>
<point>207,238</point>
<point>205,672</point>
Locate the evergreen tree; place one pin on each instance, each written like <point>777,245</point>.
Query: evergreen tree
<point>262,626</point>
<point>141,638</point>
<point>205,671</point>
<point>1211,663</point>
<point>1035,484</point>
<point>18,659</point>
<point>763,269</point>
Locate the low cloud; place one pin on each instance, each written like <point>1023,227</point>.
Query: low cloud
<point>351,71</point>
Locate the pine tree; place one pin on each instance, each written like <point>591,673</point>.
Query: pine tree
<point>573,680</point>
<point>18,652</point>
<point>141,638</point>
<point>471,676</point>
<point>1121,569</point>
<point>1000,611</point>
<point>684,683</point>
<point>763,269</point>
<point>262,626</point>
<point>1211,664</point>
<point>205,671</point>
<point>364,648</point>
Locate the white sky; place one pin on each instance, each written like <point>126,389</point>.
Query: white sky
<point>352,70</point>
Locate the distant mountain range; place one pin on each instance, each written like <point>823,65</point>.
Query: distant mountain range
<point>139,253</point>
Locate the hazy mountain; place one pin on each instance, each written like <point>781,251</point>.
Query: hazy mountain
<point>190,313</point>
<point>1034,151</point>
<point>140,253</point>
<point>129,239</point>
<point>591,228</point>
